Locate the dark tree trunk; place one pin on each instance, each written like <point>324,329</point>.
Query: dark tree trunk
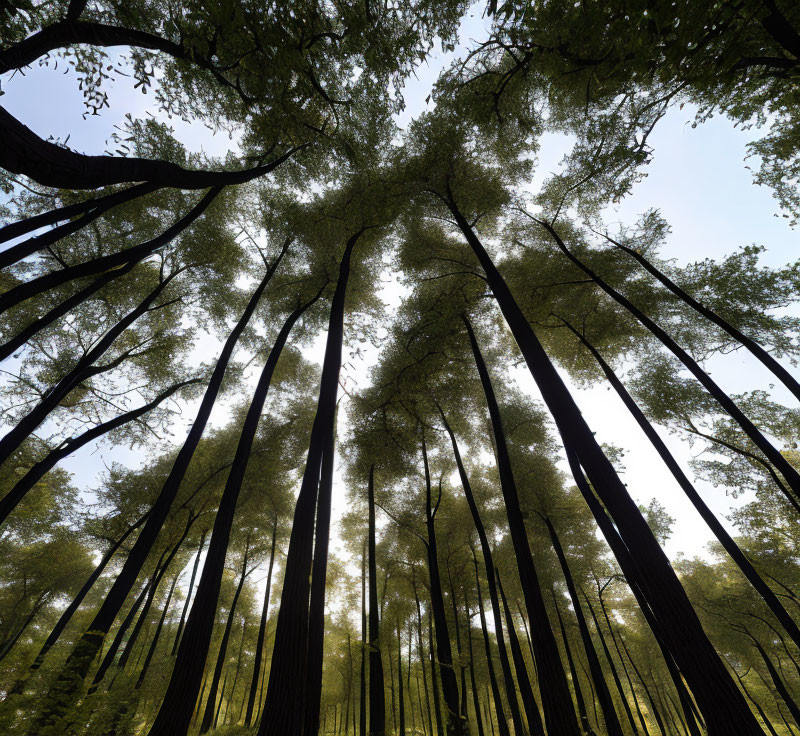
<point>756,705</point>
<point>84,369</point>
<point>523,680</point>
<point>262,628</point>
<point>437,706</point>
<point>495,688</point>
<point>612,724</point>
<point>511,694</point>
<point>64,690</point>
<point>189,593</point>
<point>377,706</point>
<point>476,704</point>
<point>284,709</point>
<point>725,401</point>
<point>463,694</point>
<point>51,165</point>
<point>153,644</point>
<point>219,707</point>
<point>222,655</point>
<point>653,706</point>
<point>32,245</point>
<point>36,473</point>
<point>454,724</point>
<point>721,702</point>
<point>725,539</point>
<point>779,684</point>
<point>41,284</point>
<point>82,593</point>
<point>175,714</point>
<point>236,674</point>
<point>401,706</point>
<point>421,650</point>
<point>579,701</point>
<point>319,571</point>
<point>766,359</point>
<point>362,685</point>
<point>559,715</point>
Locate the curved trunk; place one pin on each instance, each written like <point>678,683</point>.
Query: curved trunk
<point>444,655</point>
<point>175,712</point>
<point>37,471</point>
<point>523,680</point>
<point>722,703</point>
<point>725,401</point>
<point>559,715</point>
<point>262,628</point>
<point>40,284</point>
<point>612,723</point>
<point>189,593</point>
<point>725,539</point>
<point>476,703</point>
<point>284,709</point>
<point>84,369</point>
<point>64,690</point>
<point>319,571</point>
<point>511,694</point>
<point>495,688</point>
<point>766,359</point>
<point>153,644</point>
<point>222,655</point>
<point>377,705</point>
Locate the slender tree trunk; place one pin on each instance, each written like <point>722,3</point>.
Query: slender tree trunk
<point>495,688</point>
<point>559,715</point>
<point>362,685</point>
<point>758,708</point>
<point>475,697</point>
<point>579,700</point>
<point>189,593</point>
<point>48,462</point>
<point>721,702</point>
<point>316,622</point>
<point>435,680</point>
<point>762,355</point>
<point>523,680</point>
<point>83,370</point>
<point>454,724</point>
<point>262,628</point>
<point>65,688</point>
<point>779,684</point>
<point>401,706</point>
<point>725,401</point>
<point>208,715</point>
<point>463,693</point>
<point>284,709</point>
<point>725,539</point>
<point>421,650</point>
<point>153,644</point>
<point>511,695</point>
<point>236,671</point>
<point>184,684</point>
<point>219,707</point>
<point>377,706</point>
<point>653,706</point>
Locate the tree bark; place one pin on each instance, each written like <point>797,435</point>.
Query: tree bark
<point>64,690</point>
<point>721,702</point>
<point>262,628</point>
<point>377,705</point>
<point>559,715</point>
<point>285,704</point>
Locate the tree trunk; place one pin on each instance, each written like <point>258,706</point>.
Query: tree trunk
<point>284,709</point>
<point>208,715</point>
<point>523,680</point>
<point>401,707</point>
<point>189,593</point>
<point>721,702</point>
<point>579,701</point>
<point>64,690</point>
<point>488,562</point>
<point>437,706</point>
<point>153,644</point>
<point>495,688</point>
<point>725,401</point>
<point>653,706</point>
<point>725,539</point>
<point>779,684</point>
<point>377,706</point>
<point>262,628</point>
<point>319,571</point>
<point>421,651</point>
<point>766,359</point>
<point>559,715</point>
<point>476,704</point>
<point>362,685</point>
<point>463,692</point>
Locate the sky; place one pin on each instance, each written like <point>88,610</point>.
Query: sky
<point>698,179</point>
